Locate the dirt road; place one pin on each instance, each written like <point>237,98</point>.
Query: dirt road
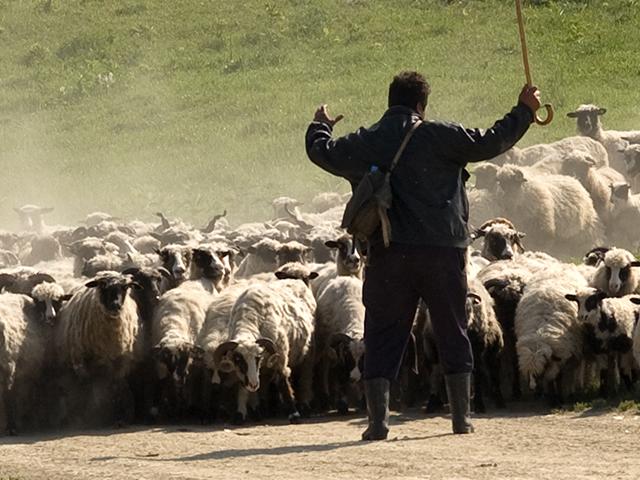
<point>514,446</point>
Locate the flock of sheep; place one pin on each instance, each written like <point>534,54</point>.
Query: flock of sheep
<point>121,321</point>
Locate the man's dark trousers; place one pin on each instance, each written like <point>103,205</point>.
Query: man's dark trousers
<point>395,279</point>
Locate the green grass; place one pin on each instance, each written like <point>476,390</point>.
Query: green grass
<point>211,99</point>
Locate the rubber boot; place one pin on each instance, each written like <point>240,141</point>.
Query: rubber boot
<point>377,394</point>
<point>459,393</point>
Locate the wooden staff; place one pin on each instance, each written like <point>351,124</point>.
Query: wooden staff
<point>527,69</point>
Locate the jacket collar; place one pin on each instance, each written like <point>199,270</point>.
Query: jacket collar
<point>401,110</point>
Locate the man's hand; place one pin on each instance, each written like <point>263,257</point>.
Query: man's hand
<point>530,96</point>
<point>322,115</point>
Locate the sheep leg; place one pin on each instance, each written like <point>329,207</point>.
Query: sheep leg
<point>479,380</point>
<point>10,408</point>
<point>288,398</point>
<point>304,390</point>
<point>435,403</point>
<point>492,360</point>
<point>324,402</point>
<point>241,410</point>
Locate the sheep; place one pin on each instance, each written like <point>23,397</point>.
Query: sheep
<point>209,267</point>
<point>550,156</point>
<point>292,252</point>
<point>636,333</point>
<point>501,239</point>
<point>276,320</point>
<point>94,218</point>
<point>214,332</point>
<point>555,210</point>
<point>589,125</point>
<point>483,199</point>
<point>176,324</point>
<point>632,162</point>
<point>86,249</point>
<point>549,338</point>
<point>595,180</point>
<point>608,331</point>
<point>262,257</point>
<point>153,283</point>
<point>625,217</point>
<point>485,335</point>
<point>26,349</point>
<point>102,263</point>
<point>348,263</point>
<point>177,260</point>
<point>146,244</point>
<point>31,217</point>
<point>339,339</point>
<point>22,280</point>
<point>97,338</point>
<point>42,248</point>
<point>615,274</point>
<point>328,200</point>
<point>280,205</point>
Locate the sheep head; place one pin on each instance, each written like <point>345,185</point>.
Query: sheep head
<point>588,119</point>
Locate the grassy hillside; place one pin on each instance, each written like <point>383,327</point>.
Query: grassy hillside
<point>196,106</point>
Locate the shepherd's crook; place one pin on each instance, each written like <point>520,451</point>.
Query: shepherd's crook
<point>527,70</point>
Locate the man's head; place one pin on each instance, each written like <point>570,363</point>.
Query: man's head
<point>409,89</point>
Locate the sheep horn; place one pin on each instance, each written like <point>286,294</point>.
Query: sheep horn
<point>165,223</point>
<point>267,344</point>
<point>339,338</point>
<point>165,273</point>
<point>212,223</point>
<point>6,280</point>
<point>38,278</point>
<point>131,271</point>
<point>297,218</point>
<point>222,349</point>
<point>495,283</point>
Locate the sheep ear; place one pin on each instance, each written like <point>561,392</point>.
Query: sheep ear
<point>571,297</point>
<point>157,251</point>
<point>165,273</point>
<point>331,244</point>
<point>93,284</point>
<point>477,234</point>
<point>635,263</point>
<point>635,300</point>
<point>222,349</point>
<point>273,360</point>
<point>134,285</point>
<point>602,111</point>
<point>313,275</point>
<point>339,338</point>
<point>282,276</point>
<point>66,297</point>
<point>6,280</point>
<point>572,114</point>
<point>131,271</point>
<point>600,295</point>
<point>475,298</point>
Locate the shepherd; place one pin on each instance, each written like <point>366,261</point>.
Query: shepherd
<point>428,235</point>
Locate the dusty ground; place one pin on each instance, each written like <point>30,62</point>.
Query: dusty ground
<point>514,446</point>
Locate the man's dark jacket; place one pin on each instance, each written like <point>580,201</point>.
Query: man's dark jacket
<point>430,205</point>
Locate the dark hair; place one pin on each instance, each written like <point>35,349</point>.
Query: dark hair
<point>409,89</point>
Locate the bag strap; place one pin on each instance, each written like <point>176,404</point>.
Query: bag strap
<point>403,145</point>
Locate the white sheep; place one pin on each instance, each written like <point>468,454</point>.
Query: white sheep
<point>616,275</point>
<point>549,336</point>
<point>261,257</point>
<point>589,125</point>
<point>501,240</point>
<point>625,217</point>
<point>596,181</point>
<point>23,347</point>
<point>550,156</point>
<point>339,338</point>
<point>555,210</point>
<point>277,319</point>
